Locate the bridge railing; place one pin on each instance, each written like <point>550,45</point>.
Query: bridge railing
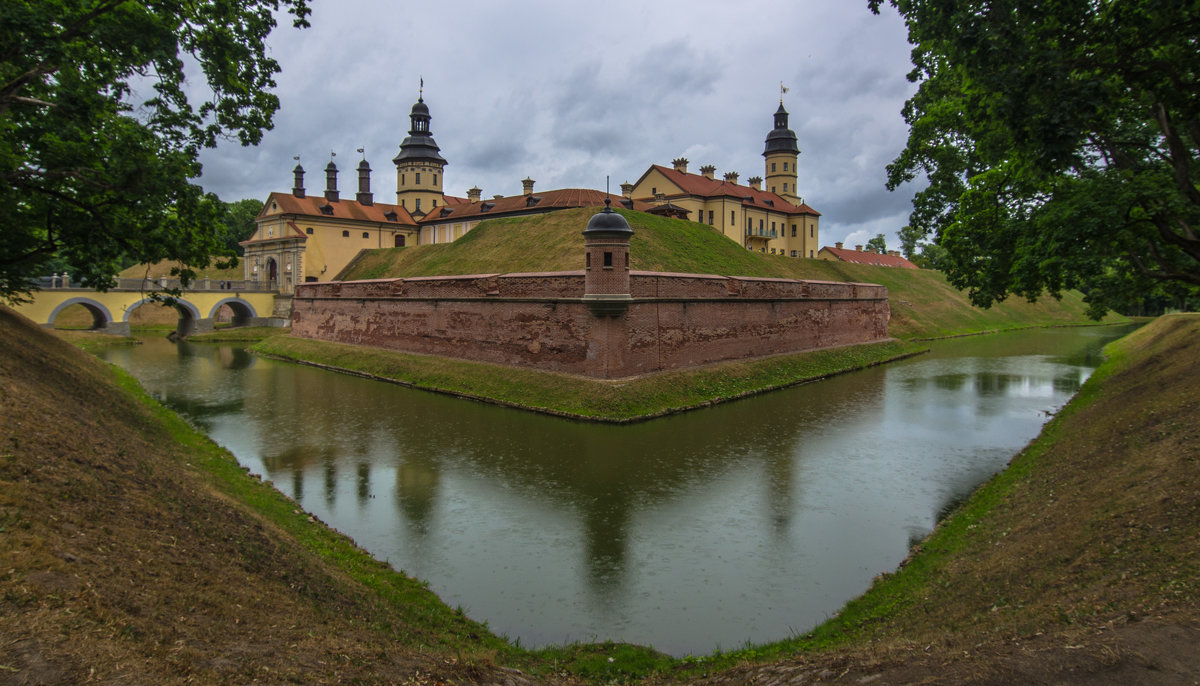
<point>56,281</point>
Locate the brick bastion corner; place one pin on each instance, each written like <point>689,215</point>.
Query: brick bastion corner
<point>544,321</point>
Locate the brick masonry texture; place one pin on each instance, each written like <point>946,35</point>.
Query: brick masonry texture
<point>539,319</point>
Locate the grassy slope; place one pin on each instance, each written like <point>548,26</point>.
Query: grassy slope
<point>923,304</point>
<point>579,397</point>
<point>1093,528</point>
<point>132,548</point>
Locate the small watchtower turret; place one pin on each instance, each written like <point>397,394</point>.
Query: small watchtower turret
<point>606,262</point>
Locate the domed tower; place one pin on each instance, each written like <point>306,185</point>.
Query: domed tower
<point>606,262</point>
<point>419,166</point>
<point>781,152</point>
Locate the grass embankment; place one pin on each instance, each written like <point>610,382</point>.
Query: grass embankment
<point>1083,556</point>
<point>583,398</point>
<point>135,549</point>
<point>923,304</point>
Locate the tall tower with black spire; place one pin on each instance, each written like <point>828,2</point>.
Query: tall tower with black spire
<point>419,165</point>
<point>781,152</point>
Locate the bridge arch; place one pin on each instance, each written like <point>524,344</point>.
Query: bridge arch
<point>101,317</point>
<point>244,313</point>
<point>189,314</point>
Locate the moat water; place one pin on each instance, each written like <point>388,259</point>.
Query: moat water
<point>747,522</point>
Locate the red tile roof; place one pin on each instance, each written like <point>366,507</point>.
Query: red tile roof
<point>872,258</point>
<point>310,206</point>
<point>543,201</point>
<point>697,184</point>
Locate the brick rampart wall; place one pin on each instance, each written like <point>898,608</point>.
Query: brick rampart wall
<point>539,319</point>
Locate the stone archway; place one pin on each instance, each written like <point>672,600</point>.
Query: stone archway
<point>244,313</point>
<point>189,316</point>
<point>101,318</point>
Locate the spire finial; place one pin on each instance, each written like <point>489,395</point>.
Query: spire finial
<point>782,89</point>
<point>421,91</point>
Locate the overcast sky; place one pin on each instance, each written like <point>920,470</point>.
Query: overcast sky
<point>568,93</point>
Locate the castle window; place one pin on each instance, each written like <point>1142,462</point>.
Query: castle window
<point>308,231</point>
<point>785,169</point>
<point>785,186</point>
<point>418,181</point>
<point>793,253</point>
<point>772,166</point>
<point>418,202</point>
<point>607,259</point>
<point>710,217</point>
<point>402,179</point>
<point>772,189</point>
<point>435,179</point>
<point>588,260</point>
<point>435,203</point>
<point>732,217</point>
<point>345,234</point>
<point>793,230</point>
<point>811,228</point>
<point>653,191</point>
<point>627,260</point>
<point>810,253</point>
<point>366,234</point>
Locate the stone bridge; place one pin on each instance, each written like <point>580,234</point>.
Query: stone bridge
<point>253,303</point>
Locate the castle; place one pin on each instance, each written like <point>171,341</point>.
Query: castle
<point>301,238</point>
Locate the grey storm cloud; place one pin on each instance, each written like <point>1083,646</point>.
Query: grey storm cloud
<point>570,94</point>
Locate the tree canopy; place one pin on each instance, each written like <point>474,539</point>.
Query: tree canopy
<point>1060,141</point>
<point>98,135</point>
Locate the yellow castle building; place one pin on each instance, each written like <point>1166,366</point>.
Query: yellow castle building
<point>770,219</point>
<point>303,238</point>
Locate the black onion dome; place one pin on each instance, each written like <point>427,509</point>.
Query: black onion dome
<point>607,222</point>
<point>781,138</point>
<point>419,146</point>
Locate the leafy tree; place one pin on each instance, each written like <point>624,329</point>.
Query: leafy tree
<point>877,244</point>
<point>1061,143</point>
<point>96,177</point>
<point>910,237</point>
<point>238,220</point>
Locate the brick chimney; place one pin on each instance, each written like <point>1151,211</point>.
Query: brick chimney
<point>731,177</point>
<point>331,191</point>
<point>364,184</point>
<point>858,248</point>
<point>838,246</point>
<point>627,190</point>
<point>708,171</point>
<point>755,182</point>
<point>298,183</point>
<point>681,164</point>
<point>527,185</point>
<point>474,194</point>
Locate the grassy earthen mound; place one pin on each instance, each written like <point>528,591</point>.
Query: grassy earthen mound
<point>923,304</point>
<point>133,550</point>
<point>1079,564</point>
<point>123,560</point>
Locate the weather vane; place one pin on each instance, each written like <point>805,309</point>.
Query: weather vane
<point>782,89</point>
<point>360,150</point>
<point>421,91</point>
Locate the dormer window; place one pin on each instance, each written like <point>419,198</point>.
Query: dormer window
<point>326,209</point>
<point>446,212</point>
<point>390,215</point>
<point>484,207</point>
<point>532,200</point>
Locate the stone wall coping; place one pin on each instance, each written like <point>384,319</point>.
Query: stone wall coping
<point>580,273</point>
